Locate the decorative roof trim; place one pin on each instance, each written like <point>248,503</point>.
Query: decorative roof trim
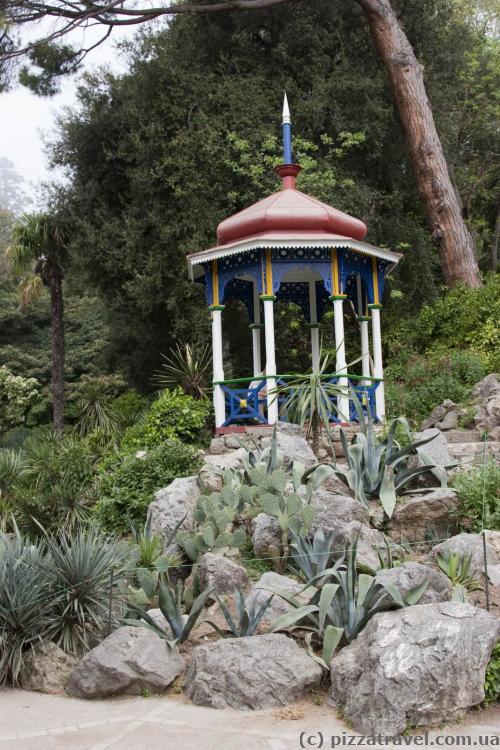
<point>259,243</point>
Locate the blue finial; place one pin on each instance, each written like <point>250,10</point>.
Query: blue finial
<point>287,133</point>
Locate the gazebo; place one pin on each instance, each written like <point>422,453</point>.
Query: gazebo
<point>294,248</point>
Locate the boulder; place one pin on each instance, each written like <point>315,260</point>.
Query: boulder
<point>439,413</point>
<point>160,621</point>
<point>472,544</point>
<point>486,397</point>
<point>171,504</point>
<point>129,661</point>
<point>255,672</point>
<point>210,476</point>
<point>418,516</point>
<point>330,508</point>
<point>47,669</point>
<point>436,449</point>
<point>416,666</point>
<point>267,583</point>
<point>293,444</point>
<point>407,576</point>
<point>368,541</point>
<point>449,421</point>
<point>266,537</point>
<point>220,574</point>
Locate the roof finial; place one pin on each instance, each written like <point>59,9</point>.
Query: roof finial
<point>287,133</point>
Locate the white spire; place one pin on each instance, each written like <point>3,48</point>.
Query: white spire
<point>286,111</point>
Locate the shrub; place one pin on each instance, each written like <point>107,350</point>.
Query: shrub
<point>492,679</point>
<point>172,415</point>
<point>128,481</point>
<point>129,406</point>
<point>18,399</point>
<point>478,486</point>
<point>417,385</point>
<point>57,483</point>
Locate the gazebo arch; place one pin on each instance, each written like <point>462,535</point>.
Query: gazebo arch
<point>290,246</point>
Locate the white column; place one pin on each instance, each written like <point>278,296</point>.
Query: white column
<point>257,364</point>
<point>365,340</point>
<point>313,319</point>
<point>377,362</point>
<point>218,367</point>
<point>272,398</point>
<point>340,366</point>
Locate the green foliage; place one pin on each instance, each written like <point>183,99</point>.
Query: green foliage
<point>171,601</point>
<point>417,384</point>
<point>479,497</point>
<point>492,678</point>
<point>214,516</point>
<point>126,482</point>
<point>172,415</point>
<point>56,485</point>
<point>19,399</point>
<point>378,466</point>
<point>312,557</point>
<point>457,568</point>
<point>336,612</point>
<point>188,369</point>
<point>55,588</point>
<point>94,409</point>
<point>247,619</point>
<point>129,407</point>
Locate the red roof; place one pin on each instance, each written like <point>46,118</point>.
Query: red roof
<point>289,210</point>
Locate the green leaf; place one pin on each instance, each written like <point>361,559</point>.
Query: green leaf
<point>292,618</point>
<point>331,640</point>
<point>388,491</point>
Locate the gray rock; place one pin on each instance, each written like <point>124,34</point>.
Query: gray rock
<point>436,449</point>
<point>160,620</point>
<point>417,516</point>
<point>47,669</point>
<point>129,661</point>
<point>266,537</point>
<point>449,421</point>
<point>210,476</point>
<point>407,576</point>
<point>472,544</point>
<point>171,504</point>
<point>337,486</point>
<point>289,428</point>
<point>293,445</point>
<point>486,396</point>
<point>438,413</point>
<point>415,666</point>
<point>267,583</point>
<point>217,446</point>
<point>330,508</point>
<point>256,672</point>
<point>220,574</point>
<point>368,541</point>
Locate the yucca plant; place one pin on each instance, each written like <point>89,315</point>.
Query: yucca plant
<point>26,603</point>
<point>310,400</point>
<point>247,619</point>
<point>187,367</point>
<point>172,606</point>
<point>94,409</point>
<point>80,565</point>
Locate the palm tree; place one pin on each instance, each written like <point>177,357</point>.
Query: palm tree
<point>36,255</point>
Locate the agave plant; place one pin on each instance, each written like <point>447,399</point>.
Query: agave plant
<point>248,618</point>
<point>377,468</point>
<point>26,598</point>
<point>457,568</point>
<point>311,557</point>
<point>171,601</point>
<point>339,609</point>
<point>188,368</point>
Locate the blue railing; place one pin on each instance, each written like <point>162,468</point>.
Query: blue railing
<point>248,404</point>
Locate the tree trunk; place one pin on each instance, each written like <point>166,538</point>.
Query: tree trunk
<point>57,321</point>
<point>495,244</point>
<point>453,239</point>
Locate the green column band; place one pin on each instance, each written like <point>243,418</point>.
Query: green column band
<point>362,318</point>
<point>270,297</point>
<point>216,307</point>
<point>335,297</point>
<point>312,325</point>
<point>256,326</point>
<point>375,306</point>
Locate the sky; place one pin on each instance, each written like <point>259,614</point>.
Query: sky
<point>26,119</point>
